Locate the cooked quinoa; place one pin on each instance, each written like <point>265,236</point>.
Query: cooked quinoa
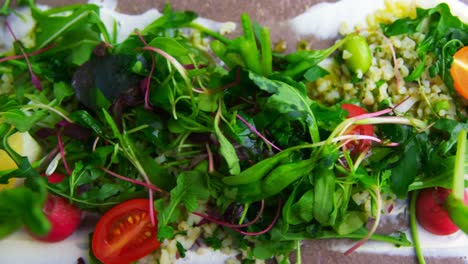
<point>384,83</point>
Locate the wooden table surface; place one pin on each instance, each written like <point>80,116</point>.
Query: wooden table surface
<point>268,13</point>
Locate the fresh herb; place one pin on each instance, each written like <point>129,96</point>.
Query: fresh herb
<point>155,116</point>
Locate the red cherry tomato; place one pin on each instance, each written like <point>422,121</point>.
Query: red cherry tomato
<point>54,177</point>
<point>358,146</point>
<point>63,216</point>
<point>125,233</point>
<point>432,215</point>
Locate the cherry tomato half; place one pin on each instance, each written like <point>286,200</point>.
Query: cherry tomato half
<point>125,233</point>
<point>358,146</point>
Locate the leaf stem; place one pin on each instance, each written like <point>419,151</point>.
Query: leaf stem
<point>255,131</point>
<point>149,186</point>
<point>223,223</point>
<point>266,52</point>
<point>414,228</point>
<point>298,252</point>
<point>459,167</point>
<point>209,32</point>
<point>378,200</point>
<point>62,152</point>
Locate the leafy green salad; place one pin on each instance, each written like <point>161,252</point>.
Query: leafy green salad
<point>161,127</point>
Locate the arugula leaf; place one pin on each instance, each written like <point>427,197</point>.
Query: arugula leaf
<point>191,187</point>
<point>11,113</point>
<point>23,206</point>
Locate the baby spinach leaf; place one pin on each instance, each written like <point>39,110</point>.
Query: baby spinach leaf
<point>452,128</point>
<point>351,221</point>
<point>266,249</point>
<point>405,171</point>
<point>302,210</point>
<point>62,91</point>
<point>226,148</point>
<point>324,195</point>
<point>288,100</point>
<point>169,45</point>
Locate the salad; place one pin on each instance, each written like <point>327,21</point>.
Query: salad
<point>182,138</point>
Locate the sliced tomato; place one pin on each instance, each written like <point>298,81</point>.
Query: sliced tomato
<point>358,146</point>
<point>125,233</point>
<point>459,71</point>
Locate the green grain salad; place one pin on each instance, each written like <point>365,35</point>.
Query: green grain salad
<point>230,145</point>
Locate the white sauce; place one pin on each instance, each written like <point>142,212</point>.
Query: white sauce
<point>126,24</point>
<point>457,7</point>
<point>325,19</point>
<point>21,24</point>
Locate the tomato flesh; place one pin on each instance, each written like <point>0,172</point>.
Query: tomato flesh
<point>459,71</point>
<point>358,146</point>
<point>432,215</point>
<point>125,233</point>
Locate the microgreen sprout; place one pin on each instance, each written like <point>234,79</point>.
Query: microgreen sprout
<point>34,79</point>
<point>146,82</point>
<point>62,151</point>
<point>180,69</point>
<point>268,228</point>
<point>39,51</point>
<point>226,224</point>
<point>210,159</point>
<point>223,88</point>
<point>255,131</point>
<point>236,227</point>
<point>149,186</point>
